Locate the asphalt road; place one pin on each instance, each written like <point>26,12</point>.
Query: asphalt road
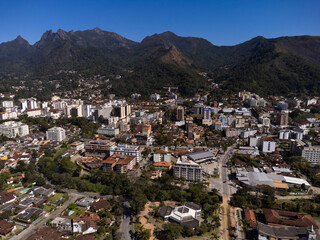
<point>229,217</point>
<point>125,228</point>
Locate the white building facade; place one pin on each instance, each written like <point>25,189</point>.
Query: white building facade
<point>56,134</point>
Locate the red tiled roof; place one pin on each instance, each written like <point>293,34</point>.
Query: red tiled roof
<point>286,218</point>
<point>6,227</point>
<point>250,217</point>
<point>267,139</point>
<point>160,151</point>
<point>162,164</point>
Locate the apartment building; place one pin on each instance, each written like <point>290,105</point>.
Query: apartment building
<point>312,154</point>
<point>108,130</point>
<point>8,115</point>
<point>187,169</point>
<point>12,129</point>
<point>268,145</point>
<point>124,149</point>
<point>98,147</point>
<point>56,134</point>
<point>180,113</point>
<point>120,163</point>
<point>282,118</point>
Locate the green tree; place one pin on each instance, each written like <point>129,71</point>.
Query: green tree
<point>172,230</point>
<point>141,233</point>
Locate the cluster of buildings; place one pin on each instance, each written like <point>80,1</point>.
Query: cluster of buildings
<point>27,208</point>
<point>278,178</point>
<point>105,154</point>
<point>77,227</point>
<point>280,224</point>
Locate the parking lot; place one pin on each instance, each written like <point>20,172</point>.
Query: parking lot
<point>211,168</point>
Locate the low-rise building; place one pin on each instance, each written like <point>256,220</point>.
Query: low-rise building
<point>154,97</point>
<point>108,130</point>
<point>37,112</point>
<point>100,204</point>
<point>44,192</point>
<point>85,202</point>
<point>7,197</point>
<point>98,147</point>
<point>6,228</point>
<point>77,146</point>
<point>202,156</point>
<point>124,149</point>
<point>184,215</point>
<point>163,165</point>
<point>125,164</point>
<point>256,178</point>
<point>62,223</point>
<point>27,215</point>
<point>275,232</point>
<point>8,115</point>
<point>119,163</point>
<point>47,233</point>
<point>289,219</point>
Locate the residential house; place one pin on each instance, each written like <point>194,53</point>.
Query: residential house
<point>86,223</point>
<point>6,227</point>
<point>85,202</point>
<point>7,197</point>
<point>43,192</point>
<point>100,204</point>
<point>27,214</point>
<point>47,233</point>
<point>62,223</point>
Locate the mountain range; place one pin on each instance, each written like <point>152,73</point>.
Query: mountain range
<point>279,66</point>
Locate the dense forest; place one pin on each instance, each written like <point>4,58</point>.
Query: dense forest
<point>287,65</point>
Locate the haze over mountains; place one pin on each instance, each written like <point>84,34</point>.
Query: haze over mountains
<point>286,65</point>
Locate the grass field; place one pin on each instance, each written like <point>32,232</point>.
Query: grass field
<point>56,197</point>
<point>77,212</point>
<point>19,191</point>
<point>48,208</point>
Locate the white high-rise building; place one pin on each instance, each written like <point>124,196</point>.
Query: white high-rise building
<point>187,169</point>
<point>13,129</point>
<point>56,134</point>
<point>32,103</point>
<point>268,145</point>
<point>7,104</point>
<point>23,104</point>
<point>312,154</point>
<point>87,111</point>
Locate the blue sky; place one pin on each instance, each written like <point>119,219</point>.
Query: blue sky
<point>222,22</point>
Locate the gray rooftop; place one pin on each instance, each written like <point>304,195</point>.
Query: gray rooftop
<point>196,156</point>
<point>282,232</point>
<point>27,213</point>
<point>165,211</point>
